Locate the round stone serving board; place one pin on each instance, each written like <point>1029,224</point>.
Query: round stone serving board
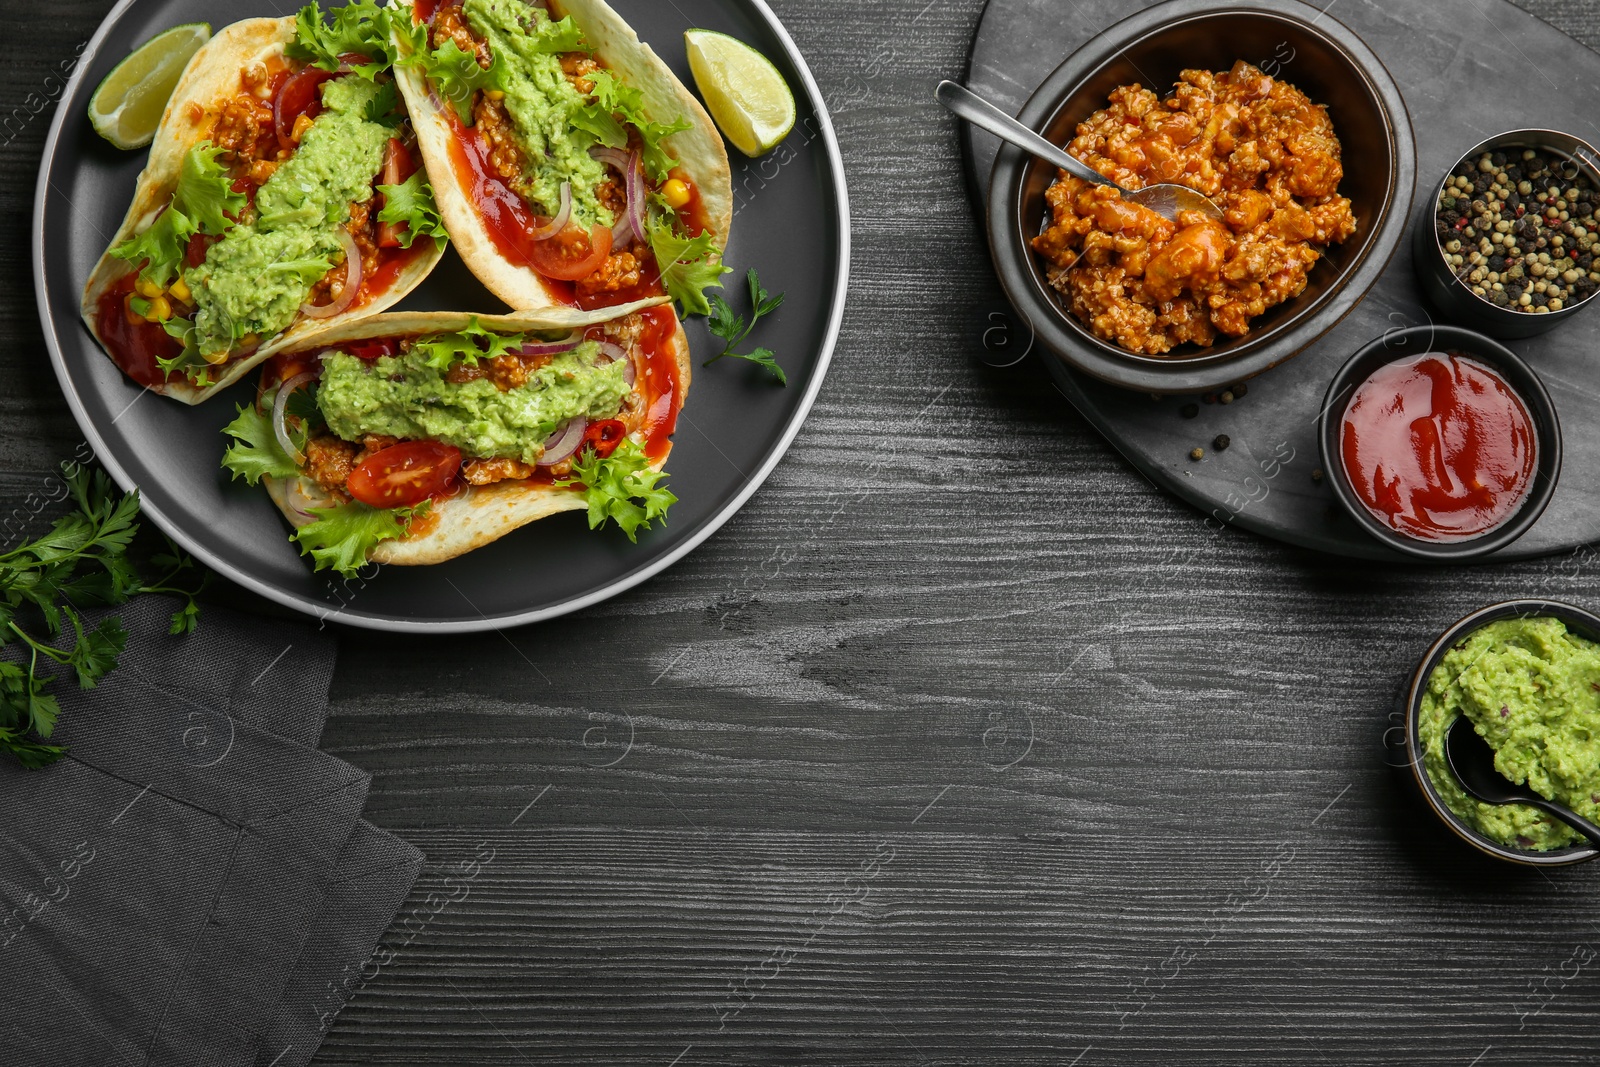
<point>1263,482</point>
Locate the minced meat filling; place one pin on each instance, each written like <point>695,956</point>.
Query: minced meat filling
<point>1259,148</point>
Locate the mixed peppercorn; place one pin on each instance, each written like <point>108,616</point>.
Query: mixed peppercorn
<point>1518,228</point>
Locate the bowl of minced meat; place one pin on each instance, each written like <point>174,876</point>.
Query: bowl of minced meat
<point>1285,118</point>
<point>1526,675</point>
<point>1258,147</point>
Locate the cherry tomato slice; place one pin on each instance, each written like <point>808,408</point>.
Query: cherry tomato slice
<point>373,349</point>
<point>195,253</point>
<point>298,96</point>
<point>405,474</point>
<point>397,165</point>
<point>604,436</point>
<point>569,255</point>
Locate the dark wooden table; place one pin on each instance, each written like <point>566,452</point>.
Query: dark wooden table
<point>959,744</point>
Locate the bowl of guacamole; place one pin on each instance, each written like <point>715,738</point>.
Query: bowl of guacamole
<point>1526,674</point>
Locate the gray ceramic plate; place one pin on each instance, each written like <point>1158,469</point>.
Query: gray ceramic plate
<point>791,224</point>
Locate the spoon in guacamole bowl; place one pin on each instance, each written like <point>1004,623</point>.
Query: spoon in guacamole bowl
<point>1471,760</point>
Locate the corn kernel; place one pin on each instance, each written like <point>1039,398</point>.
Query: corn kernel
<point>216,358</point>
<point>180,289</point>
<point>147,288</point>
<point>160,309</point>
<point>494,94</point>
<point>676,193</point>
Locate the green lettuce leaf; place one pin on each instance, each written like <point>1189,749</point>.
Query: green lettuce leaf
<point>456,75</point>
<point>688,265</point>
<point>613,100</point>
<point>555,36</point>
<point>310,270</point>
<point>200,202</point>
<point>161,248</point>
<point>622,488</point>
<point>357,29</point>
<point>344,536</point>
<point>188,363</point>
<point>412,203</point>
<point>257,452</point>
<point>467,346</point>
<point>205,190</point>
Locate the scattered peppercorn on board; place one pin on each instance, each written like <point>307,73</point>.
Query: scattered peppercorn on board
<point>1268,477</point>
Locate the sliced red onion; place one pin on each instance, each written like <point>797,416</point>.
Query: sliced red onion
<point>550,348</point>
<point>614,156</point>
<point>564,442</point>
<point>635,206</point>
<point>280,409</point>
<point>352,281</point>
<point>622,232</point>
<point>559,223</point>
<point>632,219</point>
<point>613,352</point>
<point>305,503</point>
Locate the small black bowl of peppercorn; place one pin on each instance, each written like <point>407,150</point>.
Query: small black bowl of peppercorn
<point>1512,247</point>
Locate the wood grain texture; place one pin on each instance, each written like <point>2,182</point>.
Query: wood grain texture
<point>960,744</point>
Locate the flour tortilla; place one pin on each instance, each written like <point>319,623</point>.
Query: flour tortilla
<point>479,514</point>
<point>210,80</point>
<point>699,149</point>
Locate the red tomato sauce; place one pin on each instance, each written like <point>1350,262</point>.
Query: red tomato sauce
<point>392,262</point>
<point>133,346</point>
<point>692,214</point>
<point>506,216</point>
<point>658,379</point>
<point>1438,447</point>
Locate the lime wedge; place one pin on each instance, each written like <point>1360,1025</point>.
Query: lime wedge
<point>127,107</point>
<point>744,92</point>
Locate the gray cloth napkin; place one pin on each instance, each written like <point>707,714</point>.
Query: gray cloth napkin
<point>187,879</point>
<point>375,874</point>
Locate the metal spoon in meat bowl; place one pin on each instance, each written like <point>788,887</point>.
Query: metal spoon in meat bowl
<point>1165,200</point>
<point>1471,760</point>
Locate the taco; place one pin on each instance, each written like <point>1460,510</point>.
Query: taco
<point>283,198</point>
<point>571,165</point>
<point>412,438</point>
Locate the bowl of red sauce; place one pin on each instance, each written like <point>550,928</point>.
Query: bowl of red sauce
<point>1440,442</point>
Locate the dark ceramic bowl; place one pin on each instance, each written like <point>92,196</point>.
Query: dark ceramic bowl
<point>1289,40</point>
<point>1449,293</point>
<point>1415,341</point>
<point>1579,622</point>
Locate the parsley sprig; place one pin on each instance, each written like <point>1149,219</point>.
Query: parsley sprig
<point>733,329</point>
<point>46,583</point>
